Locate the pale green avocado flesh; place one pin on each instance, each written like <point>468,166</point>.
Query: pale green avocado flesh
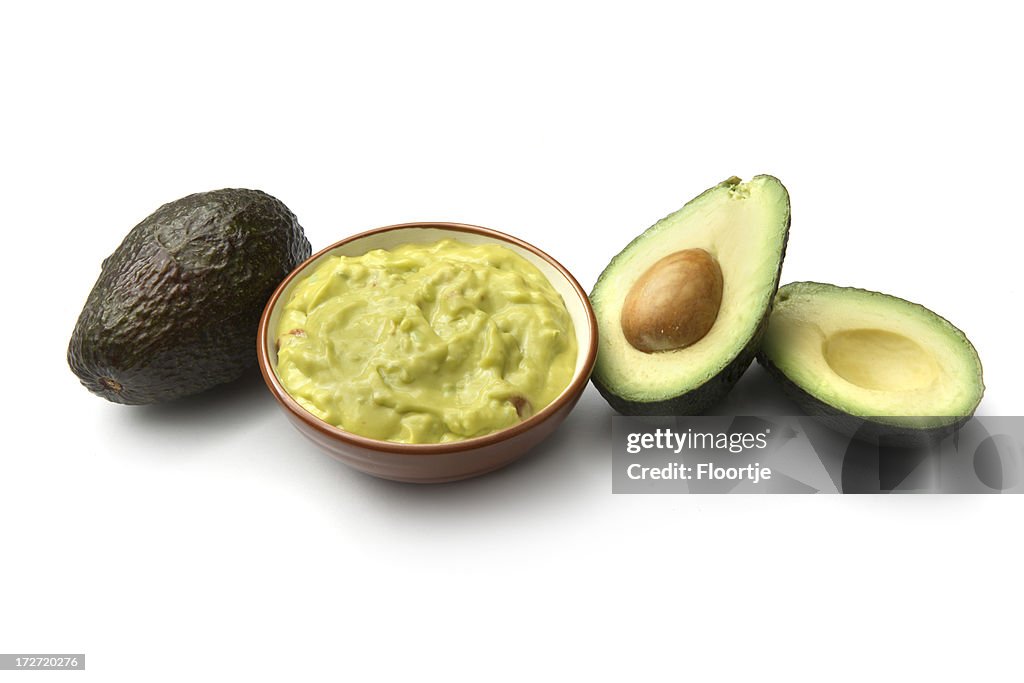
<point>842,350</point>
<point>744,227</point>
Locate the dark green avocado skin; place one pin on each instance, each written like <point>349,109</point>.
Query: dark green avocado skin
<point>176,306</point>
<point>859,428</point>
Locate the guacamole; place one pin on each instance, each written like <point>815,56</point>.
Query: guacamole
<point>425,343</point>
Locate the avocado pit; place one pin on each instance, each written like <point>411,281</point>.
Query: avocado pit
<point>674,303</point>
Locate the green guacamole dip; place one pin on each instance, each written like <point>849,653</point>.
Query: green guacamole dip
<point>425,343</point>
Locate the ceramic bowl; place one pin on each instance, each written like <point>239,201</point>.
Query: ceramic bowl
<point>434,463</point>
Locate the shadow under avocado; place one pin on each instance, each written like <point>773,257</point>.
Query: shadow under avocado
<point>212,415</point>
<point>756,393</point>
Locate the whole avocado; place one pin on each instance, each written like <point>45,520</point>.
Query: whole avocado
<point>176,306</point>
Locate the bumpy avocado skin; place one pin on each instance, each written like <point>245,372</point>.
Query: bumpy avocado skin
<point>697,401</point>
<point>176,306</point>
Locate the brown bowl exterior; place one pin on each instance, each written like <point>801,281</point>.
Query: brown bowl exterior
<point>439,467</point>
<point>432,463</point>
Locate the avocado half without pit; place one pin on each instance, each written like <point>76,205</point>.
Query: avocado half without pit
<point>873,366</point>
<point>682,309</point>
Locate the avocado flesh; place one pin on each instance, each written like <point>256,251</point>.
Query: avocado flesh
<point>176,306</point>
<point>744,226</point>
<point>876,365</point>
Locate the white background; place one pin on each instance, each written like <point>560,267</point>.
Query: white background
<point>208,540</point>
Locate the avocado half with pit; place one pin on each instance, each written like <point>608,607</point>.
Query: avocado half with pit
<point>682,309</point>
<point>873,366</point>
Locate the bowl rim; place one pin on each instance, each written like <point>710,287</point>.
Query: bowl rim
<point>567,396</point>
